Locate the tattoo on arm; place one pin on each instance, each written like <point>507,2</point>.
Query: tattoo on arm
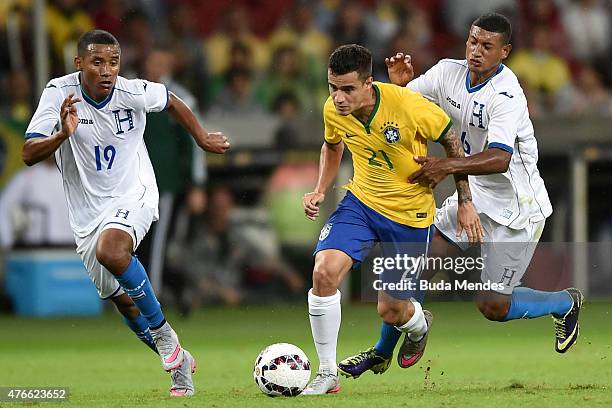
<point>454,149</point>
<point>463,190</point>
<point>452,144</point>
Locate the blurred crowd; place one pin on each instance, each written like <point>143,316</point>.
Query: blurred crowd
<point>240,56</point>
<point>268,58</point>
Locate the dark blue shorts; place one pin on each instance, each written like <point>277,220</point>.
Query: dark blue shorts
<point>354,229</point>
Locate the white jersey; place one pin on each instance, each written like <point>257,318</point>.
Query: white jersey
<point>492,115</point>
<point>105,162</point>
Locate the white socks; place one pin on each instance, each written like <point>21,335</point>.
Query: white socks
<point>325,315</point>
<point>416,327</point>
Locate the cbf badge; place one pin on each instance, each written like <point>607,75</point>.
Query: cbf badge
<point>391,132</point>
<point>325,231</point>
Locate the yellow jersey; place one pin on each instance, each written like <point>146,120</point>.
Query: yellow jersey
<point>384,148</point>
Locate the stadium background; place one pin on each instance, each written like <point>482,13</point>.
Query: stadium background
<point>233,245</point>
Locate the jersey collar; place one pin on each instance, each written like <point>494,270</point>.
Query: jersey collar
<point>91,101</point>
<point>480,86</point>
<point>366,125</point>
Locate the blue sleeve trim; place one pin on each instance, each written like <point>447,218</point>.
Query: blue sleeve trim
<point>167,98</point>
<point>32,135</point>
<point>502,146</point>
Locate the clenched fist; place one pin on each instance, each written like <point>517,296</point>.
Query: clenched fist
<point>311,203</point>
<point>215,142</point>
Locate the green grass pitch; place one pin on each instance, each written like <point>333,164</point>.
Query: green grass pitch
<point>469,362</point>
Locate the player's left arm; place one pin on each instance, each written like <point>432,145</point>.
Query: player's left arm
<point>215,142</point>
<point>491,161</point>
<point>435,125</point>
<point>467,217</point>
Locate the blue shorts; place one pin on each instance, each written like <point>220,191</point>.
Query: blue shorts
<point>354,229</point>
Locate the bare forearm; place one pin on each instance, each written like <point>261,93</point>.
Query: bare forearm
<point>331,155</point>
<point>39,148</point>
<point>490,161</point>
<point>454,150</point>
<point>179,111</point>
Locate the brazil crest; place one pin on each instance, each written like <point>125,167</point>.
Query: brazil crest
<point>391,132</point>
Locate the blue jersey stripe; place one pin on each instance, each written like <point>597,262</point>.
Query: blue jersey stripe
<point>92,102</point>
<point>502,146</point>
<point>480,86</point>
<point>33,135</point>
<point>167,98</point>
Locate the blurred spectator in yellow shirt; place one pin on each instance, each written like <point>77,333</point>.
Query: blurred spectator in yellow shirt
<point>543,72</point>
<point>299,30</point>
<point>66,21</point>
<point>287,72</point>
<point>14,118</point>
<point>236,27</point>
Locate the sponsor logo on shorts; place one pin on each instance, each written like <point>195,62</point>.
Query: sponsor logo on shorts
<point>325,231</point>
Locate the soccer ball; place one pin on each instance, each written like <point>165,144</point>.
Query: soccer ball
<point>281,369</point>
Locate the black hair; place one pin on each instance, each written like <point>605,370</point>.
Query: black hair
<point>495,23</point>
<point>351,57</point>
<point>240,47</point>
<point>95,37</point>
<point>237,72</point>
<point>285,96</point>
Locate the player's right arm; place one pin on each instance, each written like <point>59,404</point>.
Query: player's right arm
<point>215,142</point>
<point>329,163</point>
<point>40,145</point>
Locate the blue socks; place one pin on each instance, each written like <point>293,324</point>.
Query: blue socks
<point>140,326</point>
<point>529,303</point>
<point>136,284</point>
<point>389,336</point>
<point>525,303</point>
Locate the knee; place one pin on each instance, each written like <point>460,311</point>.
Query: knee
<point>389,313</point>
<point>494,310</point>
<point>113,255</point>
<point>324,278</point>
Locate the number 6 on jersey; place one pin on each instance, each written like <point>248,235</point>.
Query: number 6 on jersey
<point>109,156</point>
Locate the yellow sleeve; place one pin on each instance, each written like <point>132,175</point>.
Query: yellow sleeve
<point>332,135</point>
<point>432,121</point>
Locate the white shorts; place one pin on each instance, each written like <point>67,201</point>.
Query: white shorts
<point>506,252</point>
<point>135,219</point>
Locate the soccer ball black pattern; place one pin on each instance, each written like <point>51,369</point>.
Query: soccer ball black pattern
<point>281,369</point>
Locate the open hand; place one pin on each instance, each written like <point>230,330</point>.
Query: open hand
<point>399,68</point>
<point>68,115</point>
<point>469,221</point>
<point>432,172</point>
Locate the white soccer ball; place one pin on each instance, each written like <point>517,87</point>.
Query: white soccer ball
<point>282,369</point>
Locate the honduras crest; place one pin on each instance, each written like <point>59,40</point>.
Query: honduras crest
<point>391,132</point>
<point>325,231</point>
